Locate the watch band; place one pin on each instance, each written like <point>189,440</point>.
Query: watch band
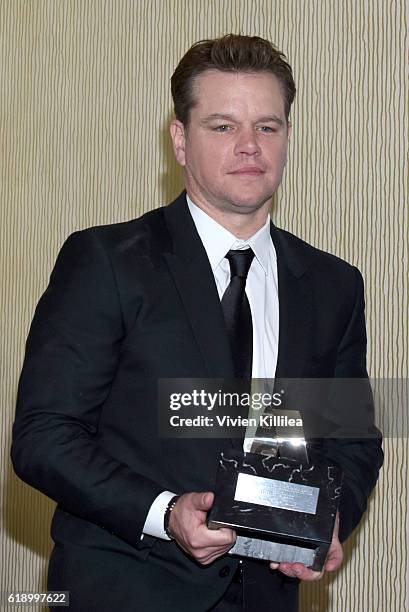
<point>166,518</point>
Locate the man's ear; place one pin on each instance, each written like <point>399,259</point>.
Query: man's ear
<point>177,132</point>
<point>289,129</point>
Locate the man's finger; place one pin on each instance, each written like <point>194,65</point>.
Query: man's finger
<point>335,557</point>
<point>300,571</point>
<point>211,555</point>
<point>202,501</point>
<point>215,538</point>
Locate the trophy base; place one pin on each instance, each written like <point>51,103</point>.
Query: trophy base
<point>266,550</point>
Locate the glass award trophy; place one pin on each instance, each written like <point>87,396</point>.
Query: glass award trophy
<point>281,498</point>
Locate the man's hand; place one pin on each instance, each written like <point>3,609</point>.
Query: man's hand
<point>187,524</point>
<point>333,562</point>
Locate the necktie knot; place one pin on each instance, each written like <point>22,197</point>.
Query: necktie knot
<point>240,262</point>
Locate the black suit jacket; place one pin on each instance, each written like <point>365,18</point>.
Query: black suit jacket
<point>128,304</point>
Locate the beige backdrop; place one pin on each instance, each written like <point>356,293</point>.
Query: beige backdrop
<point>84,109</point>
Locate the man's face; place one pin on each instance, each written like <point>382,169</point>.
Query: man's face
<point>235,148</point>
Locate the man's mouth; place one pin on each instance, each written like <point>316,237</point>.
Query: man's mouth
<point>248,171</point>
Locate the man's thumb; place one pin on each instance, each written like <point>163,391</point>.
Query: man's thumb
<point>203,501</point>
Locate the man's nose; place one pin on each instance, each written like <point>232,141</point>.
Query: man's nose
<point>247,142</point>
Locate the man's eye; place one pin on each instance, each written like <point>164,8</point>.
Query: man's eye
<point>222,128</point>
<point>266,128</point>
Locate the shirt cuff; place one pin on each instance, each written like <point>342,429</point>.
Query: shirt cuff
<point>154,521</point>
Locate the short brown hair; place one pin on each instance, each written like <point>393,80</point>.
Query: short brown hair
<point>230,53</point>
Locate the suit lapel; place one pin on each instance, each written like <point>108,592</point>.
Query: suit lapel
<point>193,277</point>
<point>295,308</point>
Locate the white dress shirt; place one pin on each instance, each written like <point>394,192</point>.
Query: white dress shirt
<point>262,293</point>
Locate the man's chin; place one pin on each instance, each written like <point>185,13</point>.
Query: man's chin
<point>248,205</point>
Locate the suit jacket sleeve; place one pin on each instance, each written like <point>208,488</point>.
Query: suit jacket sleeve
<point>71,358</point>
<point>360,459</point>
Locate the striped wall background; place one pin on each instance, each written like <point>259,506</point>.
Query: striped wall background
<point>84,109</point>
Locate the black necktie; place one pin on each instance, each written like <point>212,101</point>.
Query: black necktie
<point>237,313</point>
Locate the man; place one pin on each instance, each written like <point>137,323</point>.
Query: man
<point>131,303</point>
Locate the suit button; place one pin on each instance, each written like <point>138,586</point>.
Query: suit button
<point>225,571</point>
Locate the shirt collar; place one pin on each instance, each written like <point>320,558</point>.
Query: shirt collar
<point>217,240</point>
